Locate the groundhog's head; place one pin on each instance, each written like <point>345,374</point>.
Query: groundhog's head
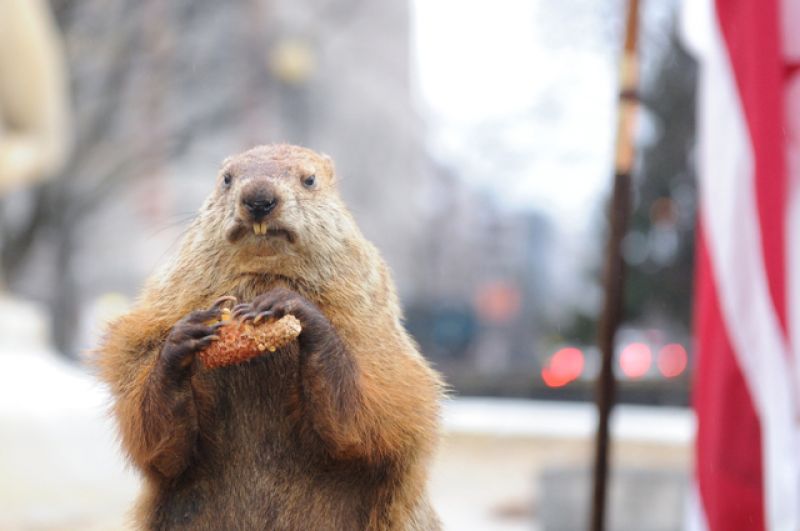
<point>277,202</point>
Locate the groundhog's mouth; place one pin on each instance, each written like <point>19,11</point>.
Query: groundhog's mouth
<point>262,230</point>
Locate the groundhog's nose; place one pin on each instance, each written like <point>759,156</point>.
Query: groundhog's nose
<point>259,205</point>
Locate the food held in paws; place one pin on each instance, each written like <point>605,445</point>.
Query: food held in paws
<point>240,341</point>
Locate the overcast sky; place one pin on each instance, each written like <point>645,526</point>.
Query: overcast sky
<point>520,96</point>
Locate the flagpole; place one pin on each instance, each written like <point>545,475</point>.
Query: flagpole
<point>614,270</point>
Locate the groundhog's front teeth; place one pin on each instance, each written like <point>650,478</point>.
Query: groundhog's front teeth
<point>260,228</point>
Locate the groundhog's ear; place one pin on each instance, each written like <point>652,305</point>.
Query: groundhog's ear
<point>330,169</point>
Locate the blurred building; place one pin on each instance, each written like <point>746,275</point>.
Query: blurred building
<point>482,308</point>
<point>356,106</point>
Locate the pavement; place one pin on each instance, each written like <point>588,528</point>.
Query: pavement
<point>502,460</point>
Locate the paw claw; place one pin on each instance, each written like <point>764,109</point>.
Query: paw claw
<point>222,301</point>
<point>240,309</point>
<point>263,315</point>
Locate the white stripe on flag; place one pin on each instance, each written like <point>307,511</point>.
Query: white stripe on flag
<point>694,19</point>
<point>790,18</point>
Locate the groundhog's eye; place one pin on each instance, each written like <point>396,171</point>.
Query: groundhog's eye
<point>309,181</point>
<point>227,178</point>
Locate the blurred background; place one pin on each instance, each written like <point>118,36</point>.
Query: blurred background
<point>475,147</point>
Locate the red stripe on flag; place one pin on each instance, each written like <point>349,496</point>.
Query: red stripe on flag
<point>728,442</point>
<point>752,33</point>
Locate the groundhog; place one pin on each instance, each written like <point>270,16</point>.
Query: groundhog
<point>333,431</point>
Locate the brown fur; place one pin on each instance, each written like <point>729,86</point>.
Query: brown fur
<point>334,431</point>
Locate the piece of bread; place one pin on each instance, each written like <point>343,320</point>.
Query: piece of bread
<point>240,341</point>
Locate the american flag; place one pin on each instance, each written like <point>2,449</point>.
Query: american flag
<point>747,286</point>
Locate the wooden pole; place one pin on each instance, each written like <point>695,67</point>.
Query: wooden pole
<point>614,271</point>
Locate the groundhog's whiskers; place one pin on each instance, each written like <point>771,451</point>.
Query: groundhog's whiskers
<point>181,218</point>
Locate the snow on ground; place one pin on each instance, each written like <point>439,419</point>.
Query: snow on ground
<point>567,420</point>
<point>60,467</point>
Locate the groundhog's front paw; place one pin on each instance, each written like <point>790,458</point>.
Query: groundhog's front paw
<point>279,302</point>
<point>189,336</point>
